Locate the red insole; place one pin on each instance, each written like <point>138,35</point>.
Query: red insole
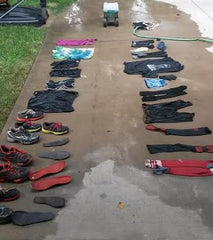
<point>46,183</point>
<point>51,169</point>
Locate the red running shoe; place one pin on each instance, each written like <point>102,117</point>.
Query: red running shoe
<point>29,114</point>
<point>18,156</point>
<point>10,173</point>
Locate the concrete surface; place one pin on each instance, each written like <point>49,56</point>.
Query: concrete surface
<point>200,11</point>
<point>108,139</point>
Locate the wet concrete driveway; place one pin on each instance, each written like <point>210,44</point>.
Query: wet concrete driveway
<point>108,139</point>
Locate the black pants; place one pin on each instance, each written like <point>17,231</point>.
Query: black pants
<point>158,148</point>
<point>162,94</point>
<point>167,112</point>
<point>181,132</point>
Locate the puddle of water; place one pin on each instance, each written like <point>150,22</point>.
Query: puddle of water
<point>93,214</point>
<point>72,16</point>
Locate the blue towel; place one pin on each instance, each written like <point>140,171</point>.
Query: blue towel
<point>155,83</point>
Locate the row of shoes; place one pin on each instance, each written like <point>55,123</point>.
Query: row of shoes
<point>25,130</point>
<point>16,170</point>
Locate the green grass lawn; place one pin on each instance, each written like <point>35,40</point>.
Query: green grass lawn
<point>19,46</point>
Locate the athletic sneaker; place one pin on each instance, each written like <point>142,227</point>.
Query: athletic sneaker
<point>22,136</point>
<point>29,114</point>
<point>11,173</point>
<point>9,194</point>
<point>18,156</point>
<point>55,128</point>
<point>5,214</point>
<point>29,126</point>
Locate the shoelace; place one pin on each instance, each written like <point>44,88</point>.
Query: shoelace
<point>8,166</point>
<point>57,125</point>
<point>20,153</point>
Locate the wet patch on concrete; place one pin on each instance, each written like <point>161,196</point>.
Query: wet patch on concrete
<point>145,216</point>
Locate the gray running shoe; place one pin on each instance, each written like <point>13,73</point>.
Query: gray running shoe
<point>22,136</point>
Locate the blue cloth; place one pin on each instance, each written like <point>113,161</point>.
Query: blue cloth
<point>72,53</point>
<point>161,46</point>
<point>155,82</point>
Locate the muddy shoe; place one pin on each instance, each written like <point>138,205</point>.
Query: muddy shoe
<point>5,214</point>
<point>22,218</point>
<point>18,156</point>
<point>22,136</point>
<point>29,126</point>
<point>56,202</point>
<point>9,194</point>
<point>54,128</point>
<point>11,173</point>
<point>29,114</point>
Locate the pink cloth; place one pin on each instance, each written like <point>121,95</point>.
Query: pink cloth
<point>76,42</point>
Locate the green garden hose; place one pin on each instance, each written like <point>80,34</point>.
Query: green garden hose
<point>208,40</point>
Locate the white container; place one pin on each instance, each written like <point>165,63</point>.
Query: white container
<point>111,7</point>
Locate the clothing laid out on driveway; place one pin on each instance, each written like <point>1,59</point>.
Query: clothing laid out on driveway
<point>167,112</point>
<point>72,53</point>
<point>162,94</point>
<point>159,148</point>
<point>65,64</point>
<point>72,73</point>
<point>158,54</point>
<point>151,68</point>
<point>181,132</point>
<point>52,101</point>
<point>76,42</point>
<point>182,167</point>
<point>155,83</point>
<point>145,43</point>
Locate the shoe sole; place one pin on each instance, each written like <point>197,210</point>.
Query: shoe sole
<point>9,199</point>
<point>33,130</point>
<point>28,119</point>
<point>12,140</point>
<point>46,183</point>
<point>56,133</point>
<point>53,168</point>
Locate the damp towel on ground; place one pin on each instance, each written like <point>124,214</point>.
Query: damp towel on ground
<point>76,42</point>
<point>159,54</point>
<point>150,68</point>
<point>65,64</point>
<point>182,167</point>
<point>167,112</point>
<point>155,83</point>
<point>72,53</point>
<point>72,73</point>
<point>52,101</point>
<point>148,96</point>
<point>159,148</point>
<point>180,132</point>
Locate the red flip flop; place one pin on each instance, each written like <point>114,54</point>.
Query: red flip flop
<point>46,183</point>
<point>51,169</point>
